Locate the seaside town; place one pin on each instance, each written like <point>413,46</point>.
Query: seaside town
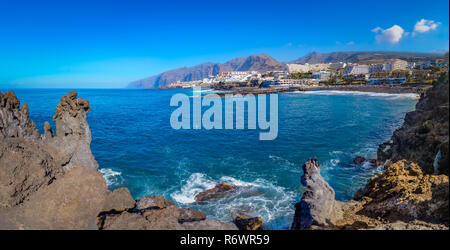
<point>391,71</point>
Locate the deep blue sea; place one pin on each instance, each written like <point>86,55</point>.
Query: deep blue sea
<point>136,147</point>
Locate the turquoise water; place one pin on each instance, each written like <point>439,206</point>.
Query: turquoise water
<point>137,148</point>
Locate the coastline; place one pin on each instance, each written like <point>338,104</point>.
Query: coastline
<point>412,193</point>
<point>388,89</point>
<point>117,209</point>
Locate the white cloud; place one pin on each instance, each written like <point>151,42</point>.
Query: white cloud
<point>392,35</point>
<point>424,25</point>
<point>351,43</point>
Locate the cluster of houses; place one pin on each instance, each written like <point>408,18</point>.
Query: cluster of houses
<point>333,73</point>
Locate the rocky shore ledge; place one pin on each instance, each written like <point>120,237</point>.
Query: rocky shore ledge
<point>411,193</point>
<point>51,181</point>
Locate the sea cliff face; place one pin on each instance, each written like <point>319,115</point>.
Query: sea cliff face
<point>411,193</point>
<point>51,181</point>
<point>423,138</point>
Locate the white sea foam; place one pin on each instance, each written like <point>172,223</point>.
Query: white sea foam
<point>196,183</point>
<point>361,93</point>
<point>334,162</point>
<point>112,177</point>
<point>202,90</point>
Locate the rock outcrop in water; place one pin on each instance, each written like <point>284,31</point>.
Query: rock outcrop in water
<point>51,181</point>
<point>219,191</point>
<point>317,205</point>
<point>413,191</point>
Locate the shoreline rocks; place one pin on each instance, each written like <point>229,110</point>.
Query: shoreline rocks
<point>359,160</point>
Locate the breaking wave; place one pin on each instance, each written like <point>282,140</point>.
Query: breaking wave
<point>274,204</point>
<point>111,177</point>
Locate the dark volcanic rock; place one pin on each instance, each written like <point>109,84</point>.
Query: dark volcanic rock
<point>359,160</point>
<point>219,191</point>
<point>317,206</point>
<point>373,162</point>
<point>245,223</point>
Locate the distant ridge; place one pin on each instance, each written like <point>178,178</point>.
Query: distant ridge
<point>362,56</point>
<point>261,63</point>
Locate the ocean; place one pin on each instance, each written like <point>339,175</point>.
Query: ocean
<point>136,147</point>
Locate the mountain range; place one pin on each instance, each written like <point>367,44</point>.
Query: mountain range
<point>363,56</point>
<point>261,63</point>
<point>264,62</point>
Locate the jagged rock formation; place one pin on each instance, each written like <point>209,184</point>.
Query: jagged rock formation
<point>50,181</point>
<point>408,194</point>
<point>261,63</point>
<point>14,120</point>
<point>402,197</point>
<point>423,138</point>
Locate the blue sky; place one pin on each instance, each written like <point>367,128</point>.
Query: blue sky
<point>106,44</point>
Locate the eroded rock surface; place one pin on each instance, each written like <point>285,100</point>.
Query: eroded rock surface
<point>404,192</point>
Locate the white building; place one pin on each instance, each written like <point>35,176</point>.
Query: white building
<point>322,75</point>
<point>303,68</point>
<point>337,65</point>
<point>356,70</point>
<point>397,64</point>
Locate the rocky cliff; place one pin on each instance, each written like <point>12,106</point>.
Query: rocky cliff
<point>423,137</point>
<point>261,63</point>
<point>411,193</point>
<point>51,181</point>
